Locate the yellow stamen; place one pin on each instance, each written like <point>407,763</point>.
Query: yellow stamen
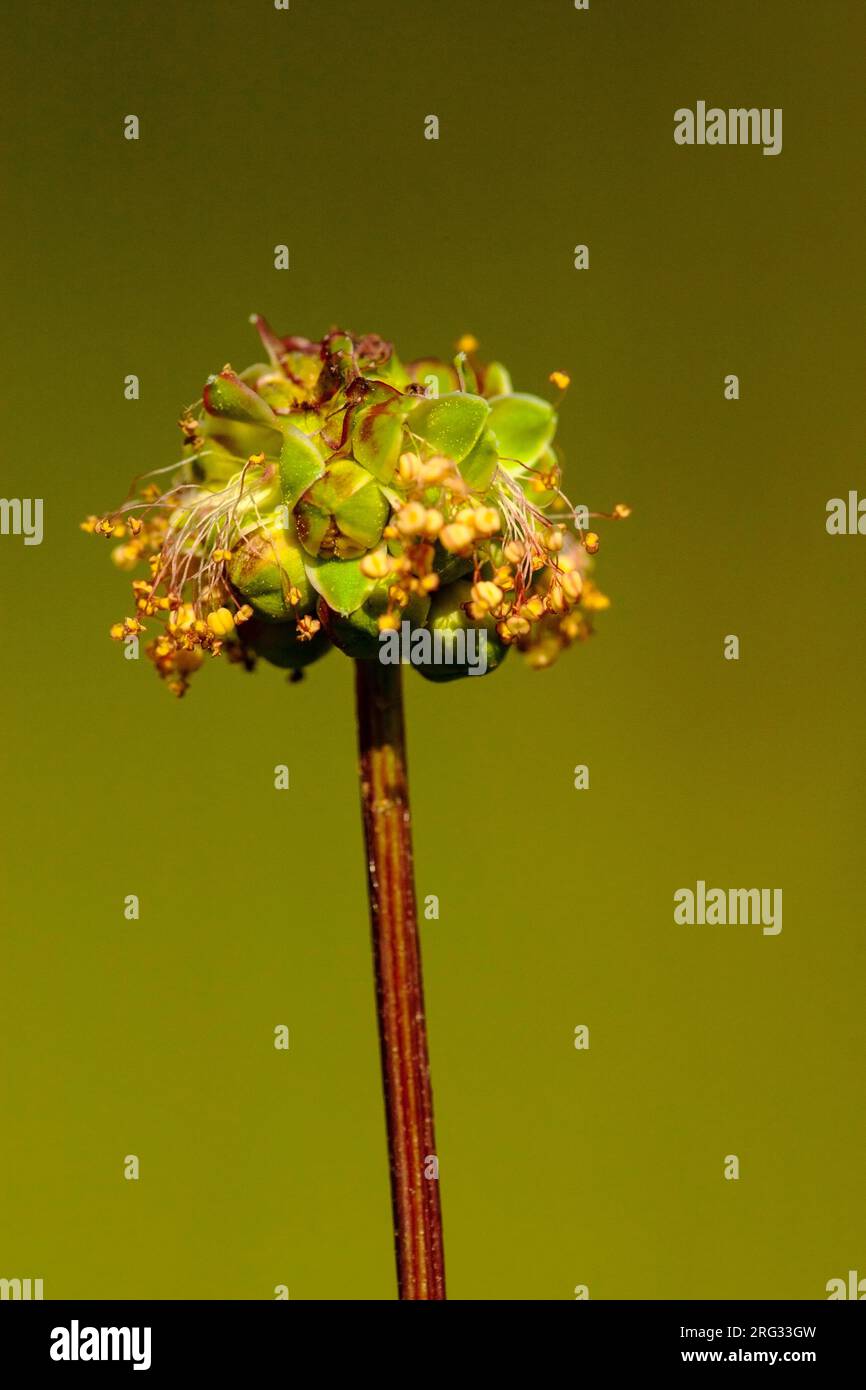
<point>221,622</point>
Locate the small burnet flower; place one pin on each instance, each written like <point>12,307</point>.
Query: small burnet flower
<point>324,496</point>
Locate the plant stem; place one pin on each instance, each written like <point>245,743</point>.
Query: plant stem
<point>399,991</point>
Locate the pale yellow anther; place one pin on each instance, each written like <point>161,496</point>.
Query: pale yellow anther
<point>434,470</point>
<point>572,585</point>
<point>221,622</point>
<point>556,600</point>
<point>185,616</point>
<point>376,565</point>
<point>487,521</point>
<point>410,519</point>
<point>455,537</point>
<point>388,622</point>
<point>560,379</point>
<point>407,468</point>
<point>622,509</point>
<point>488,594</point>
<point>554,540</point>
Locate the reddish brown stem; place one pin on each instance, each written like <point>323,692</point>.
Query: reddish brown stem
<point>399,991</point>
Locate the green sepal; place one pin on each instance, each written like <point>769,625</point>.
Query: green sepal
<point>350,494</point>
<point>357,634</point>
<point>362,516</point>
<point>263,567</point>
<point>301,464</point>
<point>523,426</point>
<point>226,395</point>
<point>377,437</point>
<point>477,468</point>
<point>340,583</point>
<point>312,525</point>
<point>497,380</point>
<point>450,424</point>
<point>279,644</point>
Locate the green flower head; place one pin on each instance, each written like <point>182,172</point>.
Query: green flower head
<point>332,495</point>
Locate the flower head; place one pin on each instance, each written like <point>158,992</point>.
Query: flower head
<point>331,493</point>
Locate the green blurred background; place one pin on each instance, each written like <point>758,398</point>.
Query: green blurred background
<point>155,1037</point>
